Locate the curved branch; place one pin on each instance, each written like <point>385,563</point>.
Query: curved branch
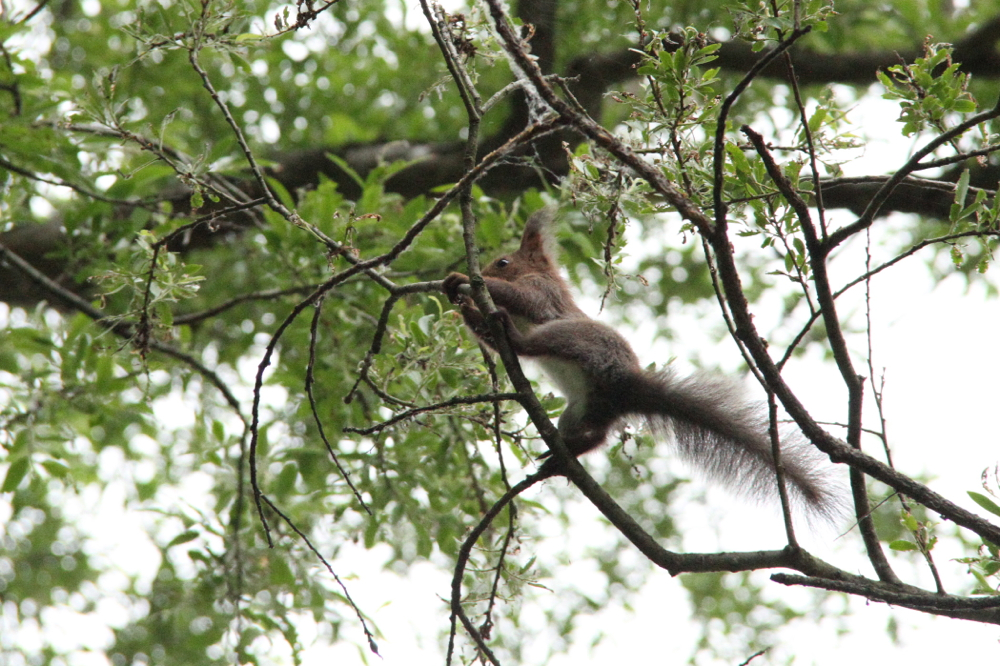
<point>588,77</point>
<point>914,163</point>
<point>466,551</point>
<point>119,327</point>
<point>980,609</point>
<point>416,411</point>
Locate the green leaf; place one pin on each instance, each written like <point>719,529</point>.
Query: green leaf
<point>985,502</point>
<point>965,105</point>
<point>17,470</point>
<point>340,162</point>
<point>285,481</point>
<point>8,359</point>
<point>56,468</point>
<point>962,188</point>
<point>281,573</point>
<point>738,158</point>
<point>164,313</point>
<point>424,544</point>
<point>146,491</point>
<point>817,119</point>
<point>903,545</point>
<point>184,537</point>
<point>984,584</point>
<point>283,194</point>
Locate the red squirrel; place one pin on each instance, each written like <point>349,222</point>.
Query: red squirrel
<point>599,375</point>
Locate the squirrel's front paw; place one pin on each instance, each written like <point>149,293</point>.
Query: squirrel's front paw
<point>451,285</point>
<point>507,323</point>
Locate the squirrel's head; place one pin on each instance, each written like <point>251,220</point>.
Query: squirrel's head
<point>536,254</point>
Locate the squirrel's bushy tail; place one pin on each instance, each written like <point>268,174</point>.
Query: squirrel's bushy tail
<point>727,438</point>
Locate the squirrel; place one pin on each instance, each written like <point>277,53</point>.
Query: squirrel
<point>599,374</point>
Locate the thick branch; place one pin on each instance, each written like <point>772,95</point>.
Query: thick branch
<point>589,76</point>
<point>981,609</point>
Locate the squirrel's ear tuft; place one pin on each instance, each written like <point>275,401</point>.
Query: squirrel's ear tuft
<point>539,235</point>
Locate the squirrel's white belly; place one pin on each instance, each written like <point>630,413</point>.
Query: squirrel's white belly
<point>568,376</point>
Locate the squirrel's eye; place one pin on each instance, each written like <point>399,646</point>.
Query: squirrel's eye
<point>502,263</point>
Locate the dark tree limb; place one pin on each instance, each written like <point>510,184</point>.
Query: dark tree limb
<point>588,77</point>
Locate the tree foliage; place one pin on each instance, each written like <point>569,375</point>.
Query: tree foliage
<point>224,227</point>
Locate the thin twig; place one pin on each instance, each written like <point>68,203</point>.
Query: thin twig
<point>868,216</point>
<point>268,295</point>
<point>313,335</point>
<point>119,327</point>
<point>372,645</point>
<point>779,469</point>
<point>79,189</point>
<point>875,271</point>
<point>438,406</point>
<point>466,550</point>
<point>719,150</point>
<point>807,132</point>
<point>877,394</point>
